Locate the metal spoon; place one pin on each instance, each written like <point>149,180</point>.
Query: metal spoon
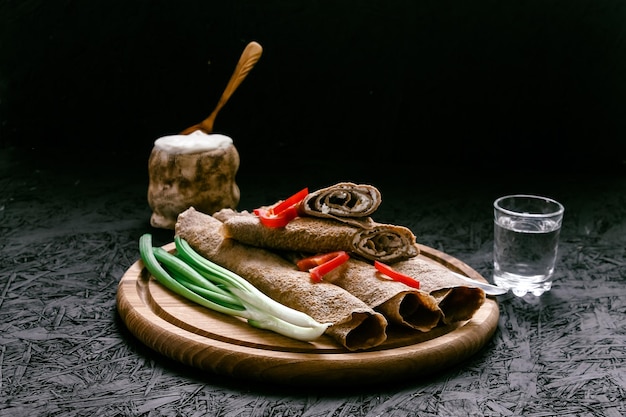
<point>250,55</point>
<point>488,288</point>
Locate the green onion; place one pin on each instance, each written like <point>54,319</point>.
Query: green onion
<point>161,274</point>
<point>247,292</point>
<point>190,275</point>
<point>190,278</point>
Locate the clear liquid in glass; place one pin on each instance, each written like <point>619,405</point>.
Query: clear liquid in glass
<point>525,252</point>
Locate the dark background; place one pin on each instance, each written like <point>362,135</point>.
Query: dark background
<point>496,86</point>
<point>438,88</point>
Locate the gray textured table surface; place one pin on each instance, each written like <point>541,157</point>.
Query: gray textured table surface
<point>69,234</point>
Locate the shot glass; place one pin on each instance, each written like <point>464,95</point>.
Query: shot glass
<point>526,241</point>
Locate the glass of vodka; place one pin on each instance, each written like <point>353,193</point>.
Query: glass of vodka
<point>526,241</point>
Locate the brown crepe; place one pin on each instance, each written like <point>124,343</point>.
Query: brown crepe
<point>355,326</point>
<point>457,300</point>
<point>398,302</point>
<point>382,242</point>
<point>345,201</point>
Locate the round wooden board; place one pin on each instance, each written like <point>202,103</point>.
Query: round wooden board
<point>225,345</point>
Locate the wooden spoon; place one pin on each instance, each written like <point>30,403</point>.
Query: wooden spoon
<point>250,56</point>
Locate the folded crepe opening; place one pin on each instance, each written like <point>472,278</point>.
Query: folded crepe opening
<point>459,303</point>
<point>369,332</point>
<point>342,201</point>
<point>416,310</point>
<point>385,243</point>
<point>457,300</point>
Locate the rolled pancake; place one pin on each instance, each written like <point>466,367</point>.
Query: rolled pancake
<point>398,302</point>
<point>457,300</point>
<point>382,242</point>
<point>355,325</point>
<point>345,201</point>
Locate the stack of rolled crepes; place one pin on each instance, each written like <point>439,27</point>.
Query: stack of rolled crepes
<point>360,301</point>
<point>355,324</point>
<point>332,218</point>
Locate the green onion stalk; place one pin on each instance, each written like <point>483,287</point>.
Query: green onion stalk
<point>192,276</point>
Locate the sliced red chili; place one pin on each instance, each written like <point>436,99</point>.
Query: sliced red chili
<point>395,275</point>
<point>283,212</point>
<point>315,260</point>
<point>320,265</point>
<point>269,219</point>
<point>291,201</point>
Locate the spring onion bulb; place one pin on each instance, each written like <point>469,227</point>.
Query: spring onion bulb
<point>190,275</point>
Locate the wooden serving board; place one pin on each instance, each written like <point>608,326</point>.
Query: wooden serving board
<point>225,345</point>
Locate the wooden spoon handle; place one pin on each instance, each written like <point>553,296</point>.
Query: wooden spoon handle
<point>249,57</point>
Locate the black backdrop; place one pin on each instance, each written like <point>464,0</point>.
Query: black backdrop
<point>450,84</point>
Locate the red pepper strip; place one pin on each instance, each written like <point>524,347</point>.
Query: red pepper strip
<point>395,275</point>
<point>276,220</point>
<point>320,265</point>
<point>283,212</point>
<point>291,201</point>
<point>315,260</point>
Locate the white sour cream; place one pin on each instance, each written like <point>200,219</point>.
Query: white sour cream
<point>197,141</point>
